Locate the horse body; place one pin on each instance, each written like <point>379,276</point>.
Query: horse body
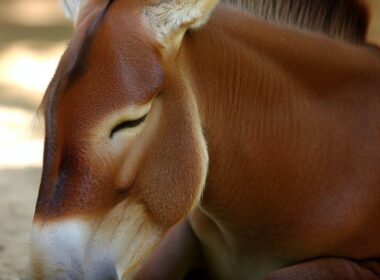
<point>284,127</point>
<point>261,138</point>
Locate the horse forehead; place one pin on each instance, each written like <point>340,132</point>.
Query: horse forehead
<point>119,66</point>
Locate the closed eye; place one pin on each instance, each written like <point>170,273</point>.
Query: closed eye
<point>126,125</point>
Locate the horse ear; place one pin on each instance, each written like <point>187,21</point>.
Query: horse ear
<point>169,19</point>
<point>71,8</point>
<point>78,10</point>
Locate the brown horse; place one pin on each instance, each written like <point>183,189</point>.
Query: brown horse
<point>187,138</point>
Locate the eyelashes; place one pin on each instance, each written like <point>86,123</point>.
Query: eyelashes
<point>127,125</point>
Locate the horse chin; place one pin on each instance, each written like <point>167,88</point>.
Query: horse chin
<point>113,247</point>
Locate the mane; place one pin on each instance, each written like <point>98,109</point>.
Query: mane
<point>344,19</point>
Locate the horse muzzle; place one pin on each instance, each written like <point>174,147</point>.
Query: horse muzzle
<point>111,247</point>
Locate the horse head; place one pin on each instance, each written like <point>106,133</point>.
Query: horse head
<point>124,158</point>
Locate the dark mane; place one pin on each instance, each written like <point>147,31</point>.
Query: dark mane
<point>344,19</point>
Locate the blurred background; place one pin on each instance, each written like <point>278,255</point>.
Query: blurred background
<point>33,35</point>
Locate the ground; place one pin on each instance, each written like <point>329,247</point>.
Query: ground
<point>16,208</point>
<point>33,35</point>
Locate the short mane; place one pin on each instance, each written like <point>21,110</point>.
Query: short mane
<point>344,19</point>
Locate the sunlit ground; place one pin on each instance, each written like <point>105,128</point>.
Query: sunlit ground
<point>33,35</point>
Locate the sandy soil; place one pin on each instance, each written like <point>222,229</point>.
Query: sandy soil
<point>19,190</point>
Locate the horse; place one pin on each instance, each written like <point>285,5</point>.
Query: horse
<point>192,139</point>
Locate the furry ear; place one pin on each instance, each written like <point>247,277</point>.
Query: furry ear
<point>71,8</point>
<point>169,19</point>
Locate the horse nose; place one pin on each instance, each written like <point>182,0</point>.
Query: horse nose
<point>103,271</point>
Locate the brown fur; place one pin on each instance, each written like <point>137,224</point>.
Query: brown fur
<point>292,124</point>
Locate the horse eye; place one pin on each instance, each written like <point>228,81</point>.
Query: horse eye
<point>127,124</point>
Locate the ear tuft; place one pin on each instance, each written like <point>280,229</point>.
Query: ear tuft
<point>169,19</point>
<point>71,8</point>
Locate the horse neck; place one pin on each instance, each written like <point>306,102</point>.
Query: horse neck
<point>250,77</point>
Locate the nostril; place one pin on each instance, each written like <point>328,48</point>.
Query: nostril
<point>103,271</point>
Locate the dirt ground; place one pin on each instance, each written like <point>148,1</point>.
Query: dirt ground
<point>16,208</point>
<point>33,35</point>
